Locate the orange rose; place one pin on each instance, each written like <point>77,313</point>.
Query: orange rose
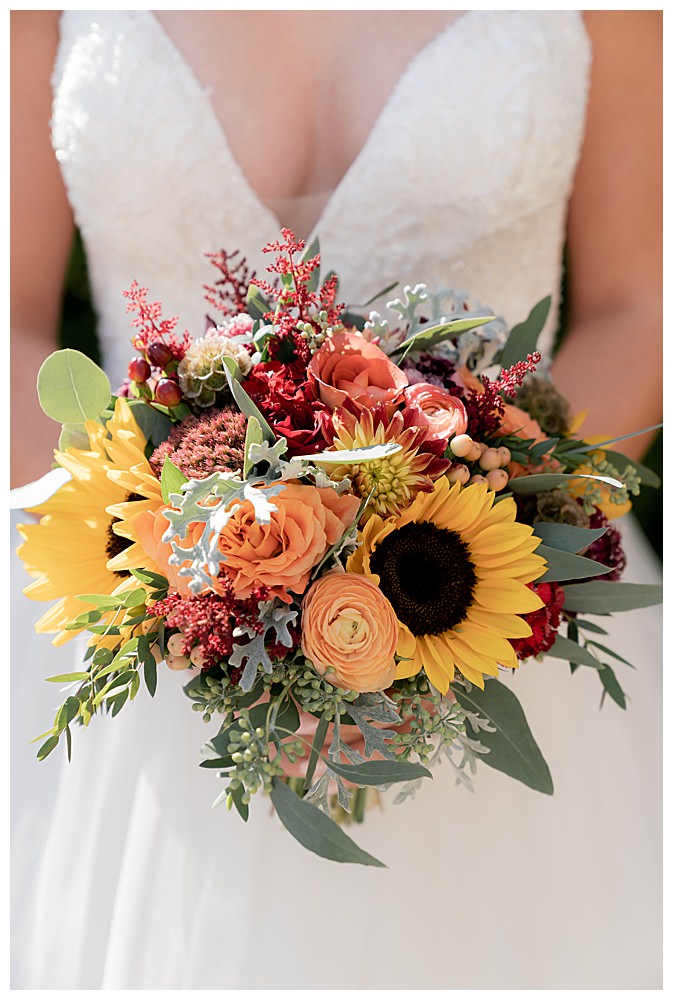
<point>280,555</point>
<point>349,624</point>
<point>348,367</point>
<point>443,414</point>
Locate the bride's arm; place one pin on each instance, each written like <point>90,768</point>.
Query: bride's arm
<point>611,360</point>
<point>41,236</point>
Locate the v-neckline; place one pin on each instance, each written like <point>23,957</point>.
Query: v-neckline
<point>387,110</point>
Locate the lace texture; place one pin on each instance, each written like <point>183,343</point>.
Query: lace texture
<point>463,181</point>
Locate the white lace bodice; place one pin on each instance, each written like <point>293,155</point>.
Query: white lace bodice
<point>463,181</point>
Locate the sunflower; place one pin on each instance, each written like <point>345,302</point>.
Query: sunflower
<point>454,565</point>
<point>74,549</point>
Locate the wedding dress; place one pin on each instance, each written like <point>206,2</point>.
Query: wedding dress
<point>132,880</point>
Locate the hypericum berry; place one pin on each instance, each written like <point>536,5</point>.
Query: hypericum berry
<point>139,370</point>
<point>459,474</point>
<point>159,354</point>
<point>497,479</point>
<point>168,392</point>
<point>489,460</point>
<point>461,445</point>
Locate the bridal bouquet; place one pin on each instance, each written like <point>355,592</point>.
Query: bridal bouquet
<point>342,529</point>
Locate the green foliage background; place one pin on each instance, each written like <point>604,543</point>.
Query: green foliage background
<point>78,330</point>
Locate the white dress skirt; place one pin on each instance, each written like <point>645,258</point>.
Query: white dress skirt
<point>123,876</point>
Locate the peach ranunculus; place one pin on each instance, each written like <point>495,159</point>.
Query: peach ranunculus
<point>443,414</point>
<point>516,421</point>
<point>280,555</point>
<point>350,625</point>
<point>349,367</point>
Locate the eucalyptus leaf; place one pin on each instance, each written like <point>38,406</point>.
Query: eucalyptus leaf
<point>241,806</point>
<point>621,462</point>
<point>600,597</point>
<point>171,480</point>
<point>610,652</point>
<point>155,426</point>
<point>523,338</point>
<point>380,772</point>
<point>72,388</point>
<point>47,747</point>
<point>525,485</point>
<point>255,302</point>
<point>318,740</point>
<point>567,649</point>
<point>243,401</point>
<point>314,830</point>
<point>73,436</point>
<point>589,626</point>
<point>429,337</point>
<point>612,685</point>
<point>513,749</point>
<point>68,678</point>
<point>567,566</point>
<point>566,536</point>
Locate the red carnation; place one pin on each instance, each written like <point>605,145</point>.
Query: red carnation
<point>544,622</point>
<point>284,398</point>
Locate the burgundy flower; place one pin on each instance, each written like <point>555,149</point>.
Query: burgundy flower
<point>544,622</point>
<point>608,548</point>
<point>284,398</point>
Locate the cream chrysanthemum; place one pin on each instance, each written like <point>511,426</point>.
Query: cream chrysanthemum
<point>454,565</point>
<point>394,481</point>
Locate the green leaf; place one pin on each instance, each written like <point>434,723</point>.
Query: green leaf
<point>171,480</point>
<point>315,830</point>
<point>318,740</point>
<point>380,772</point>
<point>119,701</point>
<point>253,435</point>
<point>154,580</point>
<point>427,338</point>
<point>513,749</point>
<point>68,742</point>
<point>47,747</point>
<point>73,436</point>
<point>255,302</point>
<point>243,401</point>
<point>66,678</point>
<point>610,652</point>
<point>287,717</point>
<point>600,597</point>
<point>72,388</point>
<point>621,462</point>
<point>590,627</point>
<point>155,426</point>
<point>150,673</point>
<point>523,338</point>
<point>566,649</point>
<point>525,485</point>
<point>83,621</point>
<point>308,254</point>
<point>102,602</point>
<point>567,566</point>
<point>566,536</point>
<point>612,685</point>
<point>68,711</point>
<point>241,806</point>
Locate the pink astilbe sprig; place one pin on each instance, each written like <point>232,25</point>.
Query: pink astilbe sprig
<point>298,297</point>
<point>152,326</point>
<point>229,292</point>
<point>486,408</point>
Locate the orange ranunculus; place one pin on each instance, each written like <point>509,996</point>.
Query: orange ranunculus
<point>348,367</point>
<point>350,625</point>
<point>443,414</point>
<point>280,555</point>
<point>516,421</point>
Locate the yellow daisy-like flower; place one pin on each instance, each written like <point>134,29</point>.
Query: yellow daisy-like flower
<point>74,549</point>
<point>454,566</point>
<point>393,481</point>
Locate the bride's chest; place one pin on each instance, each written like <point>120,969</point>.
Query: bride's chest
<point>297,93</point>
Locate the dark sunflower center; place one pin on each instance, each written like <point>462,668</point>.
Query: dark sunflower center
<point>427,576</point>
<point>115,543</point>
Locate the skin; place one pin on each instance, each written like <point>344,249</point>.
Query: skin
<point>614,224</point>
